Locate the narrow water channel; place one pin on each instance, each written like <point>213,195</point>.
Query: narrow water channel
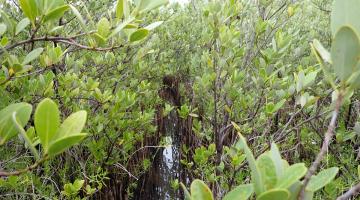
<point>157,183</point>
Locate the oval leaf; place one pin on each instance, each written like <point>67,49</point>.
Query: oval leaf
<point>291,175</point>
<point>241,192</point>
<point>139,35</point>
<point>7,127</point>
<point>64,143</point>
<point>56,13</point>
<point>345,13</point>
<point>72,125</point>
<point>345,52</point>
<point>267,169</point>
<point>321,179</point>
<point>32,55</point>
<point>30,9</point>
<point>47,122</point>
<point>103,27</point>
<point>278,194</point>
<point>200,191</point>
<point>21,25</point>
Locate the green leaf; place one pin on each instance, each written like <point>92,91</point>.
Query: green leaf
<point>278,161</point>
<point>30,9</point>
<point>268,172</point>
<point>120,8</point>
<point>56,13</point>
<point>255,172</point>
<point>321,179</point>
<point>7,127</point>
<point>241,192</point>
<point>72,125</point>
<point>62,144</point>
<point>200,191</point>
<point>121,26</point>
<point>103,27</point>
<point>345,52</point>
<point>147,5</point>
<point>2,29</point>
<point>32,55</point>
<point>21,25</point>
<point>28,141</point>
<point>294,190</point>
<point>320,49</point>
<point>139,35</point>
<point>47,122</point>
<point>78,184</point>
<point>154,25</point>
<point>345,13</point>
<point>278,194</point>
<point>186,192</point>
<point>291,175</point>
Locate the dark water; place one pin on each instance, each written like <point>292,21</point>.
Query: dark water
<point>156,184</point>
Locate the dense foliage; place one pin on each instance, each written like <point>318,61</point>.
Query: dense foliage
<point>253,91</point>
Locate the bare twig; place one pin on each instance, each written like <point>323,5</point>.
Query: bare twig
<point>324,149</point>
<point>350,193</point>
<point>21,171</point>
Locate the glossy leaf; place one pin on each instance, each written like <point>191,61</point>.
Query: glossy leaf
<point>241,192</point>
<point>32,55</point>
<point>291,174</point>
<point>321,179</point>
<point>278,194</point>
<point>345,53</point>
<point>47,121</point>
<point>7,127</point>
<point>139,35</point>
<point>200,191</point>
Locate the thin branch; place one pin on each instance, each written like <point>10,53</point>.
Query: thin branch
<point>21,171</point>
<point>325,146</point>
<point>354,191</point>
<point>65,40</point>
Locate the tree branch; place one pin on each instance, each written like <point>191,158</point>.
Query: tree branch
<point>352,192</point>
<point>324,149</point>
